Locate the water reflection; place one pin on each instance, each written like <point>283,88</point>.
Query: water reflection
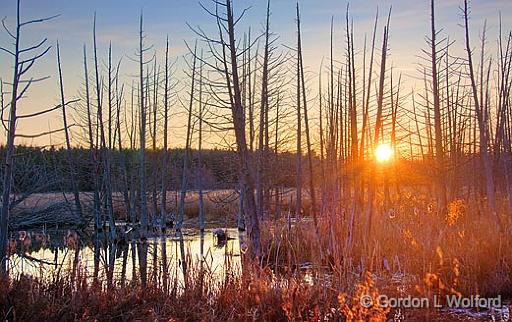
<point>161,259</point>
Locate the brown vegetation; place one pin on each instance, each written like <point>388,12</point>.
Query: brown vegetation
<point>432,219</point>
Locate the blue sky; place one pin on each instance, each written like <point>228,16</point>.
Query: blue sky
<point>118,22</point>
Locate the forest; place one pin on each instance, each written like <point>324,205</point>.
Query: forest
<point>235,183</point>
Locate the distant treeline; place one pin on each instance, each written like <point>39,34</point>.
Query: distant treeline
<point>47,170</point>
<point>41,170</point>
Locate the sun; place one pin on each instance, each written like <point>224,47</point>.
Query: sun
<point>383,153</point>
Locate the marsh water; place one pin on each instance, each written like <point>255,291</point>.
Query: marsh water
<point>163,259</point>
<point>47,254</point>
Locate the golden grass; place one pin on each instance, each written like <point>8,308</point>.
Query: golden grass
<point>220,205</point>
<point>409,238</point>
<point>309,275</point>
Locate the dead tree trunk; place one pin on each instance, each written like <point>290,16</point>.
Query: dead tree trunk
<point>20,67</point>
<point>186,154</point>
<point>263,125</point>
<point>378,124</point>
<point>306,125</point>
<point>104,153</point>
<point>142,150</point>
<point>200,148</point>
<point>93,151</point>
<point>226,64</point>
<point>482,123</point>
<point>69,154</point>
<point>154,123</point>
<point>440,163</point>
<point>9,154</point>
<point>366,103</point>
<point>237,109</point>
<point>298,188</point>
<point>165,151</point>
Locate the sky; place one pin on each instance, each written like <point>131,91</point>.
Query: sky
<point>117,22</point>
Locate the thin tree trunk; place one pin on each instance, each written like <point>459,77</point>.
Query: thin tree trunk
<point>69,154</point>
<point>154,122</point>
<point>298,188</point>
<point>9,153</point>
<point>484,154</point>
<point>263,125</point>
<point>440,164</point>
<point>165,151</point>
<point>93,150</point>
<point>306,125</point>
<point>378,124</point>
<point>186,155</point>
<point>200,149</point>
<point>104,154</point>
<point>142,150</point>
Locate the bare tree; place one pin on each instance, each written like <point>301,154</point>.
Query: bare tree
<point>298,188</point>
<point>440,163</point>
<point>481,118</point>
<point>263,125</point>
<point>104,153</point>
<point>378,120</point>
<point>502,131</point>
<point>142,149</point>
<point>200,117</point>
<point>187,152</point>
<point>165,150</point>
<point>306,124</point>
<point>71,163</point>
<point>92,148</point>
<point>226,64</point>
<point>24,59</point>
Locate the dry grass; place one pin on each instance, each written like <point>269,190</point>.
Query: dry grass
<point>464,248</point>
<point>412,250</point>
<point>255,296</point>
<point>220,205</point>
<point>306,275</point>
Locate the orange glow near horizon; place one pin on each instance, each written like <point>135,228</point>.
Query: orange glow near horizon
<point>383,153</point>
